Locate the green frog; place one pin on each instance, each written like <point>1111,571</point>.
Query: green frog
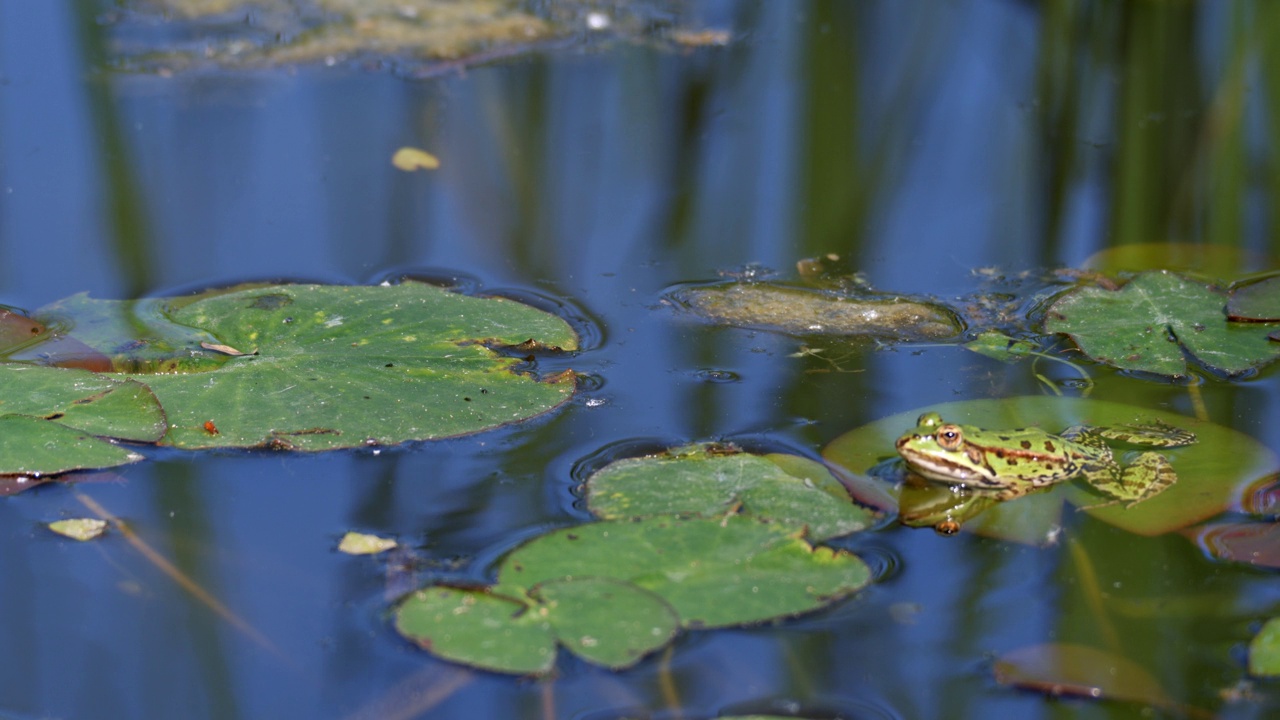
<point>1011,463</point>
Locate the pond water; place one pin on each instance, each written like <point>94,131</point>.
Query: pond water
<point>590,174</point>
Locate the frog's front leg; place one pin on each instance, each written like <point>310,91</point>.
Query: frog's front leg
<point>1149,475</point>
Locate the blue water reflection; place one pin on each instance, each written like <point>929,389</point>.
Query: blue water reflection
<point>905,137</point>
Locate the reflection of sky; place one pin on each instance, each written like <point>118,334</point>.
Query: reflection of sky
<point>601,177</point>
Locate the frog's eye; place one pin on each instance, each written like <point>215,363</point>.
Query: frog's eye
<point>929,419</point>
<point>949,437</point>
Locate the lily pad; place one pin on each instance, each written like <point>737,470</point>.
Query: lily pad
<point>475,627</point>
<point>35,446</point>
<point>1255,543</point>
<point>1256,301</point>
<point>996,345</point>
<point>805,312</point>
<point>338,366</point>
<point>17,330</point>
<point>1211,472</point>
<point>605,621</point>
<point>709,481</point>
<point>49,417</point>
<point>1264,650</point>
<point>1080,670</point>
<point>96,404</point>
<point>1154,322</point>
<point>612,592</point>
<point>715,572</point>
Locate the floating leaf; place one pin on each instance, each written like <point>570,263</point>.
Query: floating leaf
<point>410,159</point>
<point>606,621</point>
<point>81,529</point>
<point>35,446</point>
<point>354,543</point>
<point>49,415</point>
<point>614,591</point>
<point>1256,301</point>
<point>478,628</point>
<point>715,572</point>
<point>1264,650</point>
<point>1255,543</point>
<point>1148,324</point>
<point>996,345</point>
<point>1068,669</point>
<point>1209,471</point>
<point>707,481</point>
<point>805,312</point>
<point>99,405</point>
<point>343,366</point>
<point>17,330</point>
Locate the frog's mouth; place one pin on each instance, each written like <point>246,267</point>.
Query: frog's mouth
<point>942,469</point>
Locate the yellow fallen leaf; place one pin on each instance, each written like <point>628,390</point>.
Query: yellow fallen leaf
<point>410,159</point>
<point>79,528</point>
<point>354,543</point>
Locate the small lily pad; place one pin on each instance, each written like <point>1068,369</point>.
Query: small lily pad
<point>1154,322</point>
<point>354,543</point>
<point>998,346</point>
<point>81,529</point>
<point>1255,543</point>
<point>711,481</point>
<point>1210,472</point>
<point>1264,650</point>
<point>475,627</point>
<point>805,312</point>
<point>17,330</point>
<point>1256,301</point>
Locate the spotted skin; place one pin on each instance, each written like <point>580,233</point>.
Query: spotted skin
<point>1011,463</point>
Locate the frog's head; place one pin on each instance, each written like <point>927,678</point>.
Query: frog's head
<point>942,451</point>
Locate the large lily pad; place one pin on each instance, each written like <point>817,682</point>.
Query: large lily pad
<point>331,366</point>
<point>1211,472</point>
<point>611,592</point>
<point>1154,322</point>
<point>710,481</point>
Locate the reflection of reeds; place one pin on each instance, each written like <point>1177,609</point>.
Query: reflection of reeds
<point>124,205</point>
<point>1171,148</point>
